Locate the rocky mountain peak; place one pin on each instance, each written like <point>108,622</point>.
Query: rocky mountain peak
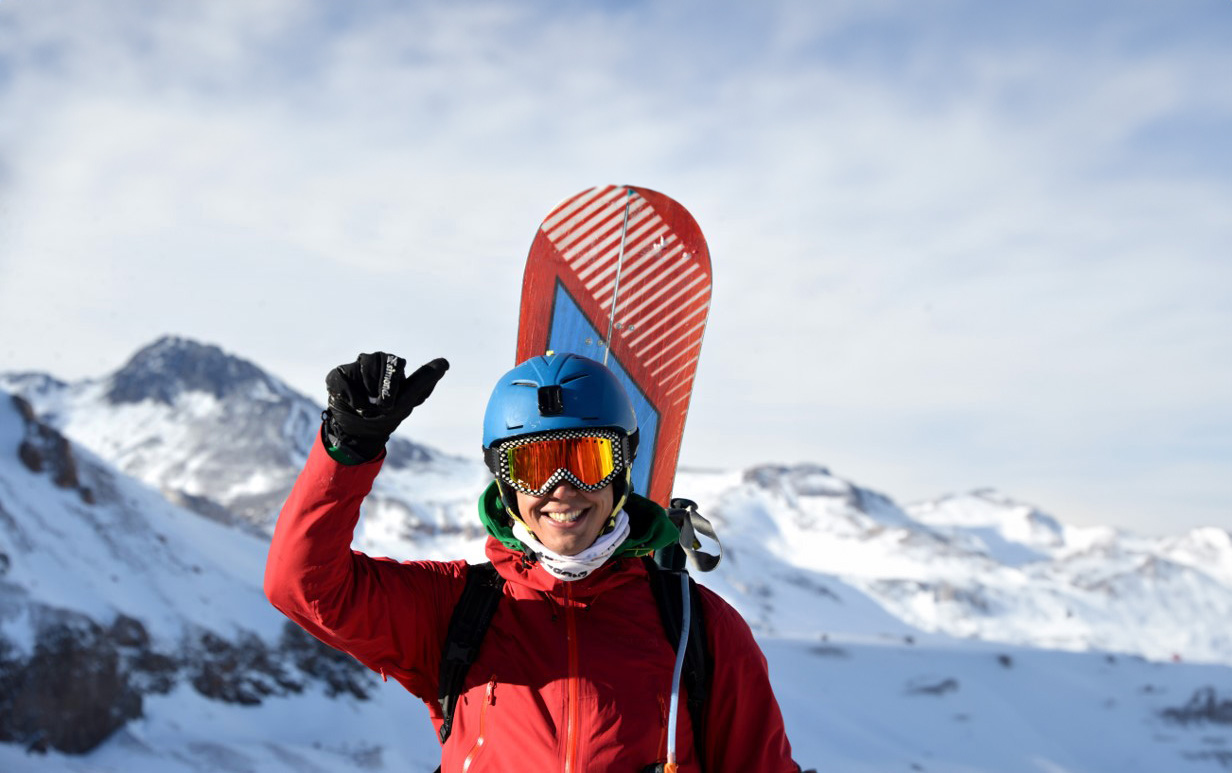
<point>172,366</point>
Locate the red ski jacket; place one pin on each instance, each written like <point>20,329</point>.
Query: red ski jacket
<point>572,676</point>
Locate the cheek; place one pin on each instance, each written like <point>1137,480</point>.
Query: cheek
<point>603,501</point>
<point>524,503</point>
<point>527,505</point>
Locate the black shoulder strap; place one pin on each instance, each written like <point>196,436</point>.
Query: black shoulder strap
<point>467,626</point>
<point>698,666</point>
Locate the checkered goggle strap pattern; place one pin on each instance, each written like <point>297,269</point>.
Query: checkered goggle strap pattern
<point>535,465</point>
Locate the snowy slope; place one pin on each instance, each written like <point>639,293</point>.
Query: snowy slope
<point>962,707</point>
<point>924,637</point>
<point>978,566</point>
<point>126,619</point>
<point>106,547</point>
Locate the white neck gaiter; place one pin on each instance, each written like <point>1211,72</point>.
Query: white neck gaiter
<point>570,568</point>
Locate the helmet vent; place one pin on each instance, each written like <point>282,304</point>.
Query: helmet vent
<point>551,400</point>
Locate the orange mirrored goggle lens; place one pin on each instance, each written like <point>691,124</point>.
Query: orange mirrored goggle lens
<point>590,460</point>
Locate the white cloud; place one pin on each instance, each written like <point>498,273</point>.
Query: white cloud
<point>920,218</point>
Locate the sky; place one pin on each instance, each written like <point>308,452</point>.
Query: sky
<point>956,244</point>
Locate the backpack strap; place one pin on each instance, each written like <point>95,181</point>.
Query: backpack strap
<point>482,594</point>
<point>698,665</point>
<point>471,617</point>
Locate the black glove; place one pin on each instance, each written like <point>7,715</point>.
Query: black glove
<point>369,398</point>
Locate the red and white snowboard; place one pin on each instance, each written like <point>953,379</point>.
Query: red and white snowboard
<point>622,275</point>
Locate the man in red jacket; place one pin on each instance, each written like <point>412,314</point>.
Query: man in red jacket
<point>574,673</point>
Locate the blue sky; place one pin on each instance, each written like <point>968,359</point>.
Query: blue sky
<point>956,244</point>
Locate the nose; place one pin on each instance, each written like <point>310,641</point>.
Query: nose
<point>564,489</point>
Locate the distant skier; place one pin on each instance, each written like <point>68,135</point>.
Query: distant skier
<point>574,672</point>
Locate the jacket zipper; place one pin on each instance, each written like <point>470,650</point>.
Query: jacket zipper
<point>489,698</point>
<point>571,690</point>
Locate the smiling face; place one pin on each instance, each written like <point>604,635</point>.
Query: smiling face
<point>567,520</point>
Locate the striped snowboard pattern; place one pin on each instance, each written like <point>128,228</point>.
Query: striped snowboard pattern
<point>622,275</point>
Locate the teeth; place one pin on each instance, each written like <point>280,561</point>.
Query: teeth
<point>568,517</point>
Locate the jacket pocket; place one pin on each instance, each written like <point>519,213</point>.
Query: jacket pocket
<point>489,699</point>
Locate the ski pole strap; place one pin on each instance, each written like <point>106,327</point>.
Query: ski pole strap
<point>683,513</point>
<point>471,616</point>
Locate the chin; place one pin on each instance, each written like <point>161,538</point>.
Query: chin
<point>569,549</point>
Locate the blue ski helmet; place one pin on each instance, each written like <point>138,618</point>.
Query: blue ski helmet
<point>553,393</point>
<point>557,392</point>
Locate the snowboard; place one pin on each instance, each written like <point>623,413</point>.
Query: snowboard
<point>621,275</point>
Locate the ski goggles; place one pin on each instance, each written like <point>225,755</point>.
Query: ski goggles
<point>537,464</point>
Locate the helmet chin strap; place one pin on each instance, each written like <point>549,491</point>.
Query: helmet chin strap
<point>621,487</point>
<point>509,498</point>
<point>621,496</point>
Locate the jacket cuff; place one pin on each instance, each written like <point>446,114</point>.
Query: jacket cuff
<point>342,454</point>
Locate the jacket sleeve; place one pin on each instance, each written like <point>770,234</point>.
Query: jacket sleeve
<point>744,725</point>
<point>390,616</point>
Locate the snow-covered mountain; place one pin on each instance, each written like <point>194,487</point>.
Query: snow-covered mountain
<point>970,632</point>
<point>976,566</point>
<point>211,431</point>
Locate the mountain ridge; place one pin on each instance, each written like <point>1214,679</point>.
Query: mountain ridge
<point>171,365</point>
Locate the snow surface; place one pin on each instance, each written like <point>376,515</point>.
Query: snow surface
<point>851,706</point>
<point>130,553</point>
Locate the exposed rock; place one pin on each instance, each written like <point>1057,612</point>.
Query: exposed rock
<point>171,365</point>
<point>243,672</point>
<point>340,672</point>
<point>84,681</point>
<point>203,506</point>
<point>811,585</point>
<point>829,651</point>
<point>129,632</point>
<point>799,476</point>
<point>44,450</point>
<point>1204,706</point>
<point>70,694</point>
<point>930,687</point>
